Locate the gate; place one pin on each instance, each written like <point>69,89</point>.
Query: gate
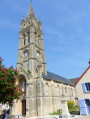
<point>82,107</point>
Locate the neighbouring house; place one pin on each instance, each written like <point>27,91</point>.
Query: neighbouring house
<point>83,92</point>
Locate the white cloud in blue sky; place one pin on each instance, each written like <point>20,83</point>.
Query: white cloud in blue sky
<point>66,27</point>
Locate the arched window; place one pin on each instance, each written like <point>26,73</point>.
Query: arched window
<point>24,41</point>
<point>35,36</point>
<point>38,42</point>
<point>65,89</point>
<point>38,53</point>
<point>24,85</point>
<point>25,53</point>
<point>35,39</point>
<point>29,39</point>
<point>46,89</point>
<point>58,90</point>
<point>71,92</point>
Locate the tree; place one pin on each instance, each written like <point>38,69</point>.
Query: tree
<point>9,90</point>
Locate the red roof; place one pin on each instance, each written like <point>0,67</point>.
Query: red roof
<point>81,76</point>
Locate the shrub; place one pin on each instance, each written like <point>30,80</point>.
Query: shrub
<point>9,90</point>
<point>70,104</point>
<point>59,111</point>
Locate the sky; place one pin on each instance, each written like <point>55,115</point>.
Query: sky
<point>66,28</point>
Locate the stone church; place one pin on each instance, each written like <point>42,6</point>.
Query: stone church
<point>42,90</point>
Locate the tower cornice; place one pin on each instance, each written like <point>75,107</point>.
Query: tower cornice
<point>29,45</point>
<point>28,28</point>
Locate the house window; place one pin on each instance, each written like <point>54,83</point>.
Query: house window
<point>87,101</point>
<point>86,87</point>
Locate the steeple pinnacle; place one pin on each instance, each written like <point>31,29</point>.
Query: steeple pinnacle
<point>23,20</point>
<point>31,11</point>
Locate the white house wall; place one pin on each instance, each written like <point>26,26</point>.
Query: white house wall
<point>79,89</point>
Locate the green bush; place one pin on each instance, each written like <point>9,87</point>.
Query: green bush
<point>70,104</point>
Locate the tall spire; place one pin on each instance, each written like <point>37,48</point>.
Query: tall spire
<point>31,11</point>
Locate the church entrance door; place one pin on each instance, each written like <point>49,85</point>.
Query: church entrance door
<point>23,107</point>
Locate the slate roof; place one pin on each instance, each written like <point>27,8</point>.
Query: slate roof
<point>73,80</point>
<point>55,77</point>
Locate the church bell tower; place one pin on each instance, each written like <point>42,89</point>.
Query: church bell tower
<point>31,53</point>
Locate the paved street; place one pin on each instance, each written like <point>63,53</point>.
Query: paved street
<point>56,117</point>
<point>52,117</point>
<point>84,117</point>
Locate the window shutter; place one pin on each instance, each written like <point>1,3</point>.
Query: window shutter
<point>82,107</point>
<point>84,88</point>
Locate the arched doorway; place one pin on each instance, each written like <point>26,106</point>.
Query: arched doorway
<point>22,83</point>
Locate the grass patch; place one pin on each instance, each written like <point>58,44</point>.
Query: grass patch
<point>55,113</point>
<point>59,112</point>
<point>73,110</point>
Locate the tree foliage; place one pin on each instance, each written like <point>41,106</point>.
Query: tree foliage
<point>70,104</point>
<point>8,88</point>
